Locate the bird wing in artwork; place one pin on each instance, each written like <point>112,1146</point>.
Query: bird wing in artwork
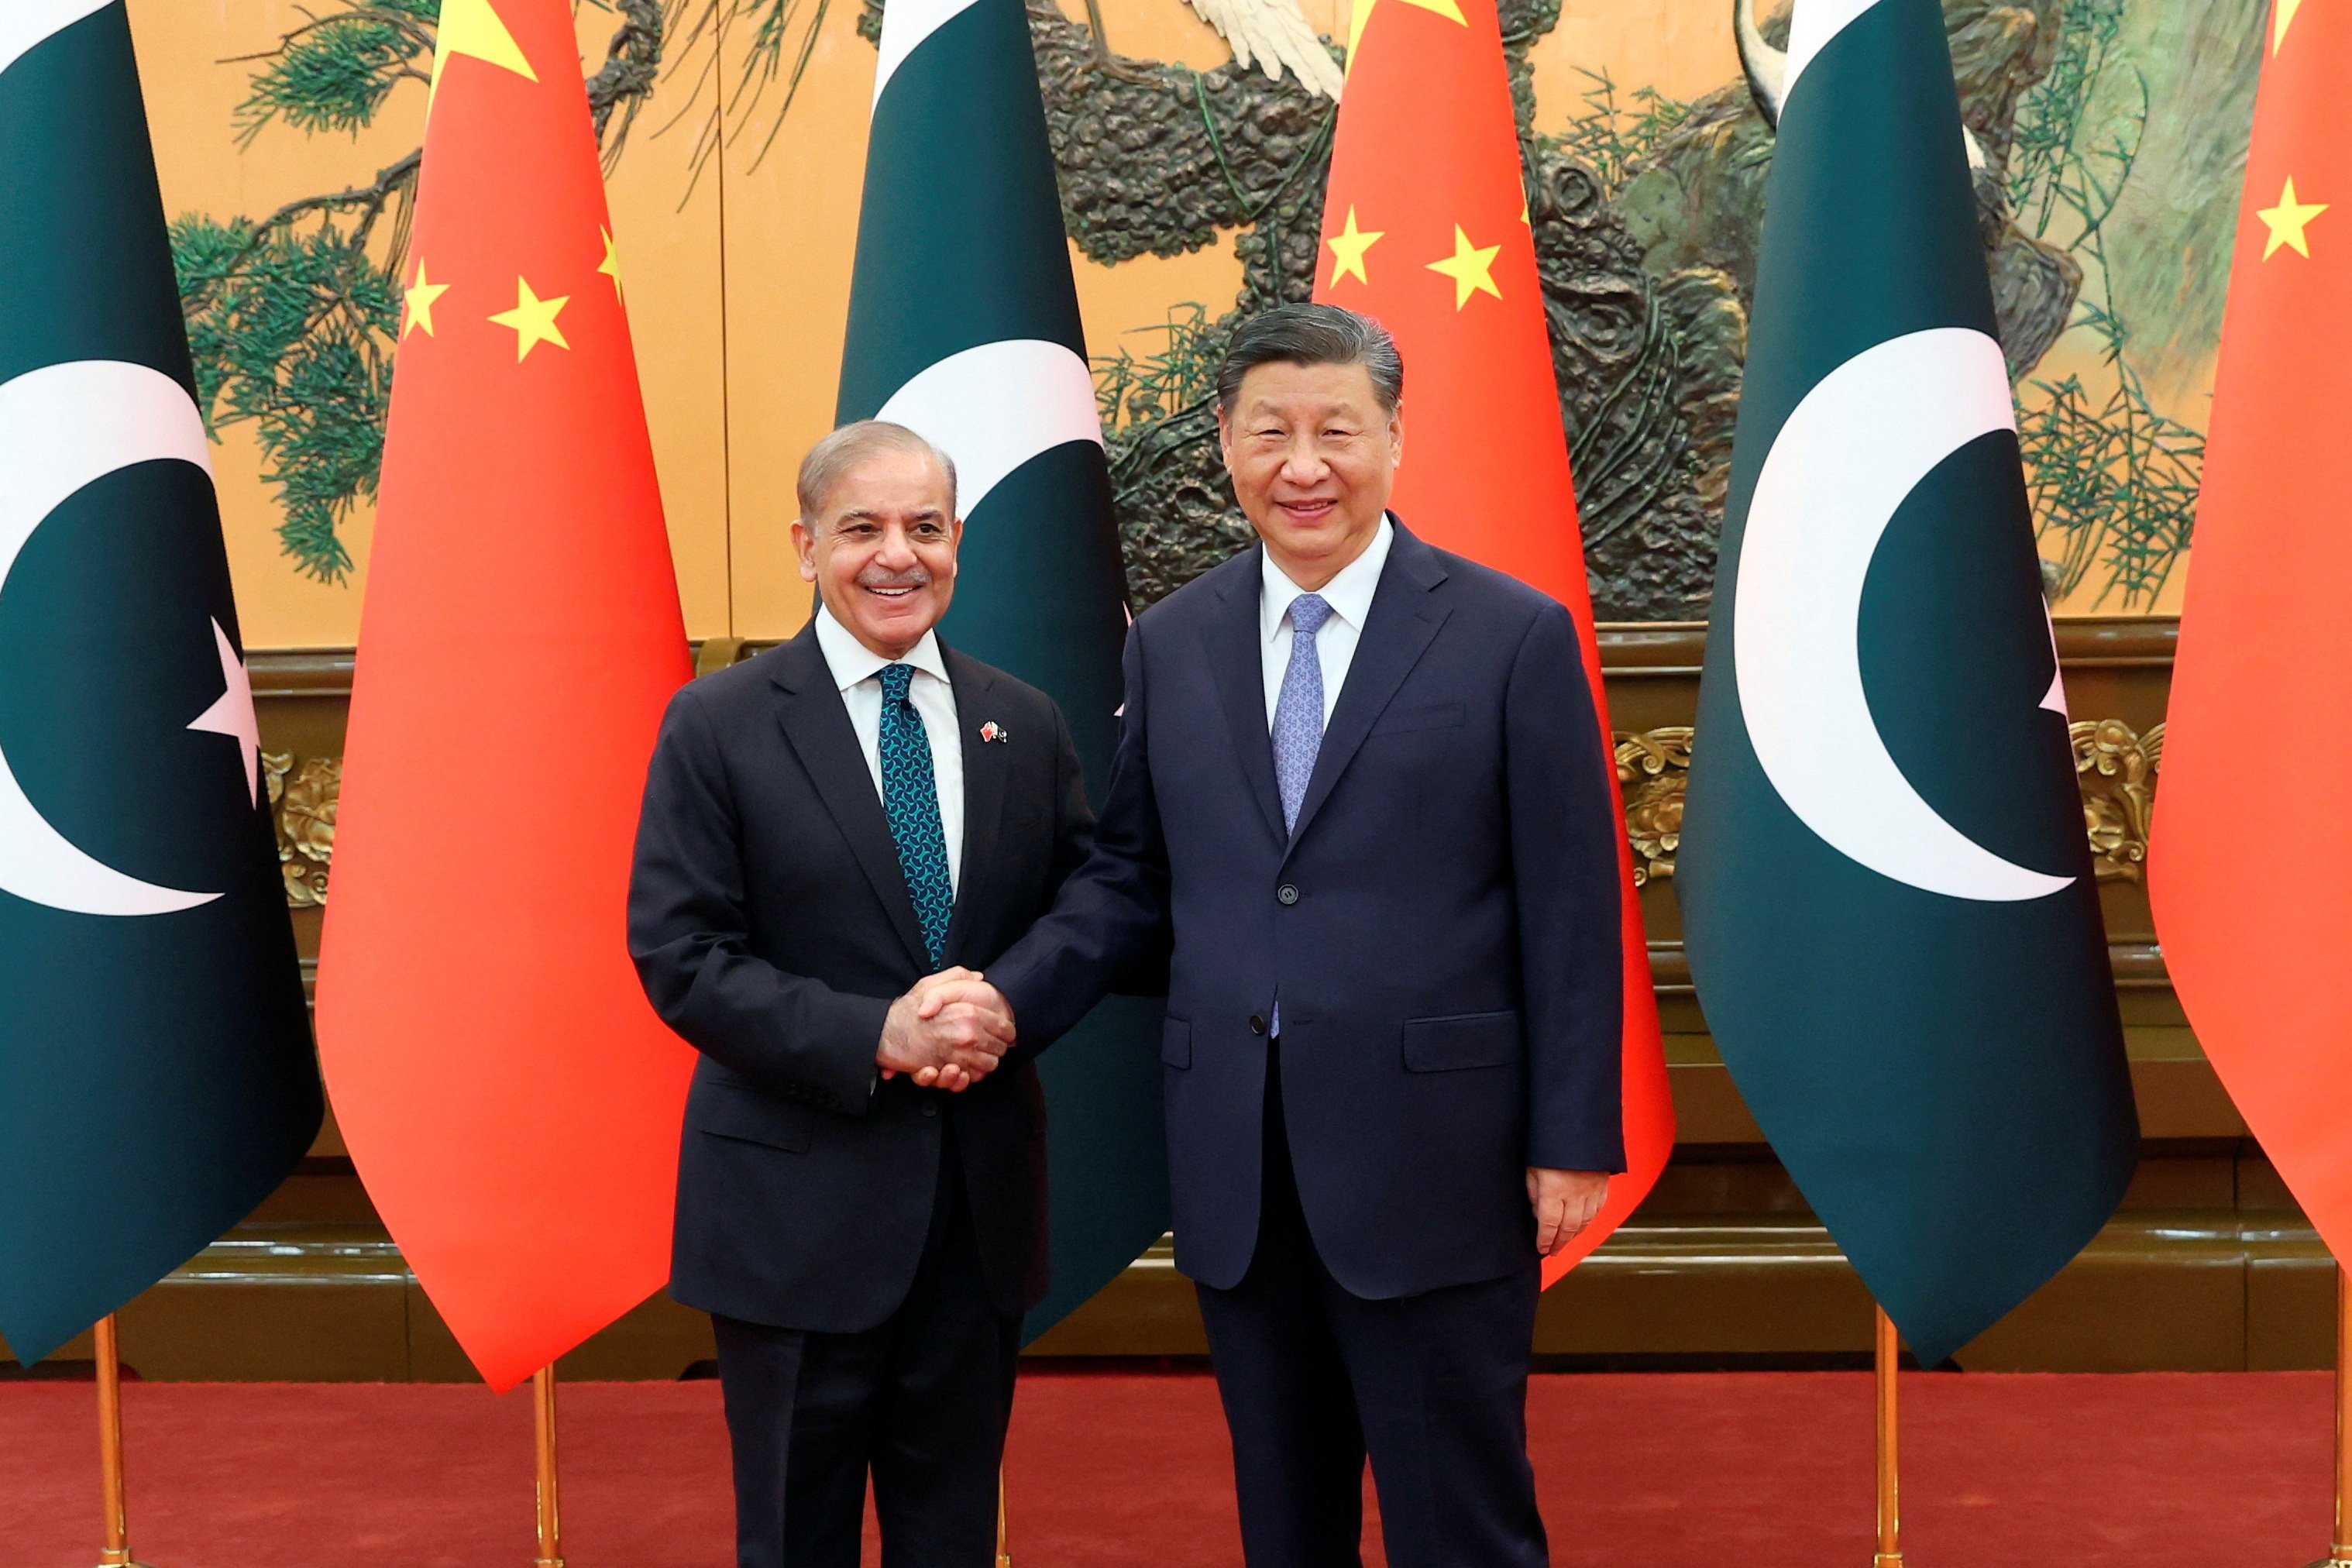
<point>1271,35</point>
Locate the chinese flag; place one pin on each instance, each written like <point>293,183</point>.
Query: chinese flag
<point>507,1095</point>
<point>2256,943</point>
<point>1425,227</point>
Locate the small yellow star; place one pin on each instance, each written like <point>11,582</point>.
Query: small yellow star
<point>2287,221</point>
<point>1472,268</point>
<point>1347,247</point>
<point>417,299</point>
<point>612,267</point>
<point>533,320</point>
<point>1526,213</point>
<point>2282,18</point>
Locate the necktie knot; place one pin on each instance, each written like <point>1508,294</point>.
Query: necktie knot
<point>1308,614</point>
<point>897,681</point>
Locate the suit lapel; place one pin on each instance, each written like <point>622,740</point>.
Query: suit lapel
<point>1403,620</point>
<point>1234,644</point>
<point>818,728</point>
<point>984,769</point>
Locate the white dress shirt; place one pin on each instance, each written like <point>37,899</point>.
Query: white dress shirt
<point>1349,595</point>
<point>858,670</point>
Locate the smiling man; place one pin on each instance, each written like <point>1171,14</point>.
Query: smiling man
<point>1359,784</point>
<point>824,825</point>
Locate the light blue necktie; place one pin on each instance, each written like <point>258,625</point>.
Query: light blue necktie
<point>1298,711</point>
<point>910,797</point>
<point>1298,719</point>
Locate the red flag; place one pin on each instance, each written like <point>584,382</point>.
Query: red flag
<point>506,1093</point>
<point>2257,944</point>
<point>1425,227</point>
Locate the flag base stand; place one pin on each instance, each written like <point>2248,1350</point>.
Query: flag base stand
<point>2340,1553</point>
<point>551,1526</point>
<point>116,1552</point>
<point>1886,1359</point>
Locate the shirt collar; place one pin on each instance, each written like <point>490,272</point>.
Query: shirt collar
<point>852,661</point>
<point>1350,594</point>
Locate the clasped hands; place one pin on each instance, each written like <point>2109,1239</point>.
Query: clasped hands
<point>948,1033</point>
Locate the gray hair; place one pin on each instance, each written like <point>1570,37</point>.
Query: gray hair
<point>829,461</point>
<point>1313,334</point>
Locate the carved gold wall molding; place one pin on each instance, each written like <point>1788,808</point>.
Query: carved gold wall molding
<point>1652,769</point>
<point>2116,764</point>
<point>302,804</point>
<point>2117,767</point>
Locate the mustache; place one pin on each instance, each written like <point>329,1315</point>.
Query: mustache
<point>913,577</point>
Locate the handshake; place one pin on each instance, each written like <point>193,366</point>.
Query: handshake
<point>948,1033</point>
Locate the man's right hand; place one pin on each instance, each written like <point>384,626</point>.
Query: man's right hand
<point>948,1032</point>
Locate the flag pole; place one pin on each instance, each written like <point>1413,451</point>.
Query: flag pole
<point>2340,1553</point>
<point>551,1528</point>
<point>1890,1522</point>
<point>1003,1550</point>
<point>115,1553</point>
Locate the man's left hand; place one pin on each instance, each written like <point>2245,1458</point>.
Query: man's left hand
<point>1565,1202</point>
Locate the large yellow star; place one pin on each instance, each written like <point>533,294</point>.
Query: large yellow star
<point>2287,221</point>
<point>418,299</point>
<point>473,27</point>
<point>612,265</point>
<point>533,320</point>
<point>1471,267</point>
<point>1362,13</point>
<point>2282,18</point>
<point>1347,247</point>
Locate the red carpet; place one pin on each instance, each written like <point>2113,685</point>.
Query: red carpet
<point>1764,1470</point>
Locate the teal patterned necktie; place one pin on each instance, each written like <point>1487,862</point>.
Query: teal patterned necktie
<point>911,795</point>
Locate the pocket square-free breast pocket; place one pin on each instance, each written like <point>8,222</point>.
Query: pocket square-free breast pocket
<point>1428,716</point>
<point>1176,1042</point>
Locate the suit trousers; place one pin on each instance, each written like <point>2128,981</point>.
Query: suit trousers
<point>921,1401</point>
<point>1433,1386</point>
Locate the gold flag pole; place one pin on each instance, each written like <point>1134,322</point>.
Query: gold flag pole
<point>550,1526</point>
<point>1003,1551</point>
<point>2340,1553</point>
<point>1890,1520</point>
<point>117,1551</point>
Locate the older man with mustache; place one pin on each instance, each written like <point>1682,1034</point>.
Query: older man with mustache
<point>861,1201</point>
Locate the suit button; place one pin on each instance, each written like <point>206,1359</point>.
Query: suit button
<point>1287,894</point>
<point>1258,1023</point>
<point>930,1108</point>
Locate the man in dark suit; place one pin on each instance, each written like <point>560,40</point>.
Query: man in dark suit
<point>1360,787</point>
<point>822,826</point>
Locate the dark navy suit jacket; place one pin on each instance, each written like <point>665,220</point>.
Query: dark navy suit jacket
<point>771,928</point>
<point>1442,926</point>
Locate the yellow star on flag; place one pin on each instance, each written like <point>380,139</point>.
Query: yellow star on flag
<point>417,299</point>
<point>473,27</point>
<point>1362,13</point>
<point>2282,18</point>
<point>612,267</point>
<point>2287,221</point>
<point>533,320</point>
<point>1471,267</point>
<point>1347,247</point>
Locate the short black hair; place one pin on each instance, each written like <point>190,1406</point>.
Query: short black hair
<point>1313,334</point>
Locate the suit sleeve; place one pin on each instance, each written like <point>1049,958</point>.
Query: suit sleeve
<point>1571,942</point>
<point>689,935</point>
<point>1109,922</point>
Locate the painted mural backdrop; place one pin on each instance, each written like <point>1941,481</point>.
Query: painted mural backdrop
<point>2107,138</point>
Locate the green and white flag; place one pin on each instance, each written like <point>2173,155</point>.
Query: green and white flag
<point>963,324</point>
<point>156,1078</point>
<point>1884,882</point>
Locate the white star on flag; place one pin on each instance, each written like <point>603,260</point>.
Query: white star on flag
<point>232,714</point>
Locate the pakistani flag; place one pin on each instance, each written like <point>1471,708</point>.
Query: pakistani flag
<point>156,1079</point>
<point>1884,882</point>
<point>963,324</point>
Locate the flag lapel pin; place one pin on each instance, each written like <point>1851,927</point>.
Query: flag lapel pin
<point>992,732</point>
